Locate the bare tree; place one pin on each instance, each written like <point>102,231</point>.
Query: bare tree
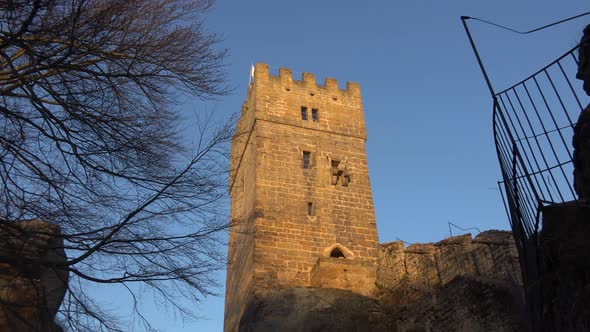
<point>89,141</point>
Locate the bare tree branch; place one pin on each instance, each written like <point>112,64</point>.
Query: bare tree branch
<point>89,141</point>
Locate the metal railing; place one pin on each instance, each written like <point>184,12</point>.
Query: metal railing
<point>533,124</point>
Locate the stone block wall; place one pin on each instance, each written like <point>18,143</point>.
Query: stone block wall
<point>287,212</point>
<point>492,255</point>
<point>457,284</point>
<point>240,264</point>
<point>464,304</point>
<point>343,273</point>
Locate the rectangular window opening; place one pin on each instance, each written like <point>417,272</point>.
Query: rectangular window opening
<point>345,180</point>
<point>303,113</point>
<point>310,209</point>
<point>314,115</point>
<point>306,159</point>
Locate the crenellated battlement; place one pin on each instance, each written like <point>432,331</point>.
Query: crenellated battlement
<point>308,82</point>
<point>281,99</point>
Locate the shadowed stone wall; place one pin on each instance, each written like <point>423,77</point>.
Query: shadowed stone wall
<point>465,304</point>
<point>565,283</point>
<point>457,284</point>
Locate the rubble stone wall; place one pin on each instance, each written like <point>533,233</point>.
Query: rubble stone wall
<point>491,255</point>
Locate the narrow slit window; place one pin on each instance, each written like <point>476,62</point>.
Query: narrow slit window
<point>310,209</point>
<point>306,159</point>
<point>303,113</point>
<point>314,115</point>
<point>345,180</point>
<point>335,172</point>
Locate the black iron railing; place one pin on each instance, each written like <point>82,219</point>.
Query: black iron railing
<point>533,125</point>
<point>533,128</point>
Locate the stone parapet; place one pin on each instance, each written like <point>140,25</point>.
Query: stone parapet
<point>341,273</point>
<point>278,100</point>
<point>492,255</point>
<point>307,82</point>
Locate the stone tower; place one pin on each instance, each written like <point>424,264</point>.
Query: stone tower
<point>301,203</point>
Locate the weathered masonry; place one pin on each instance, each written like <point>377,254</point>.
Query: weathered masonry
<point>301,204</point>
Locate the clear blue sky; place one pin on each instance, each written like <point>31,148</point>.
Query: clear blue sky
<point>427,109</point>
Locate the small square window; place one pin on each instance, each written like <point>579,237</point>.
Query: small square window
<point>310,209</point>
<point>314,115</point>
<point>306,159</point>
<point>303,113</point>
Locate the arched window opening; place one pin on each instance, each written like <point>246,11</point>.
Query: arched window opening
<point>337,253</point>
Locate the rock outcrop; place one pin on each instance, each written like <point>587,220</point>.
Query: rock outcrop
<point>31,286</point>
<point>313,309</point>
<point>581,138</point>
<point>564,285</point>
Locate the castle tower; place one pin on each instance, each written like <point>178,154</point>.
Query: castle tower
<point>301,203</point>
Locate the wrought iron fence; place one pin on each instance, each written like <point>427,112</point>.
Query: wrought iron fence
<point>533,124</point>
